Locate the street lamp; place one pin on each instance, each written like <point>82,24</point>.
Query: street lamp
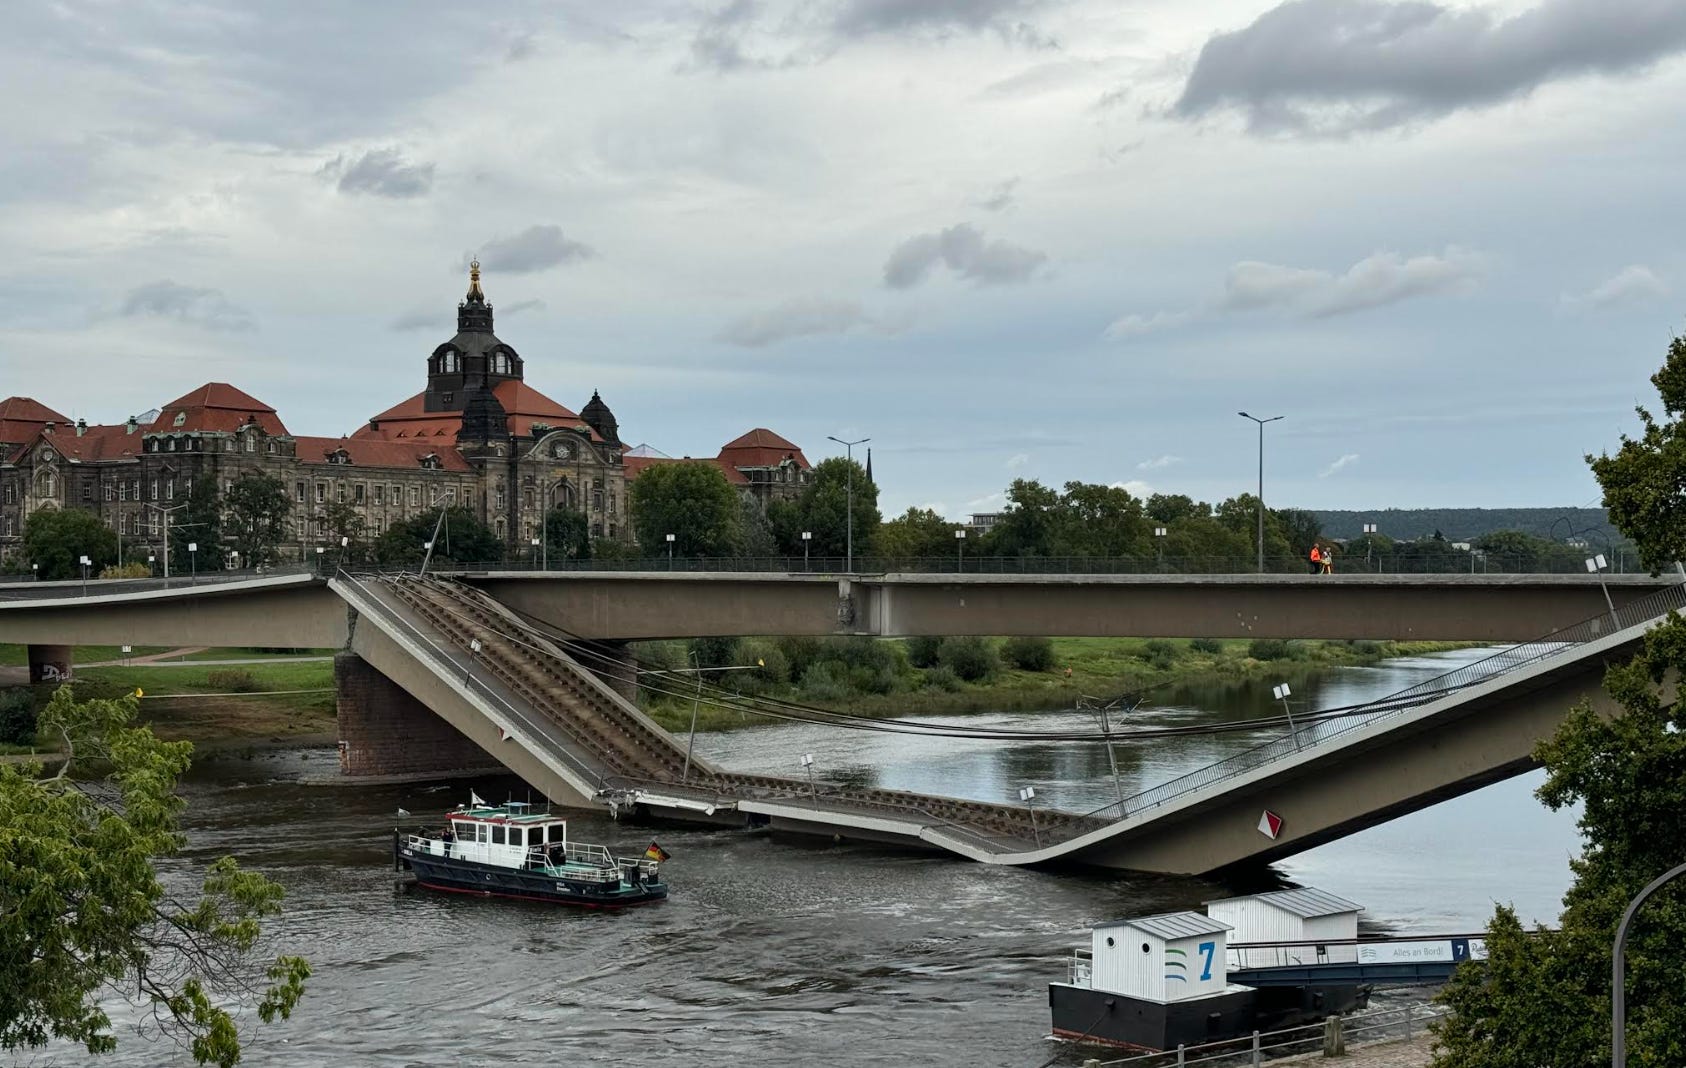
<point>808,765</point>
<point>319,551</point>
<point>1618,965</point>
<point>150,561</point>
<point>670,552</point>
<point>1027,794</point>
<point>1370,543</point>
<point>85,563</point>
<point>536,551</point>
<point>1281,692</point>
<point>807,536</point>
<point>849,451</point>
<point>193,562</point>
<point>1261,423</point>
<point>960,549</point>
<point>1595,564</point>
<point>1159,544</point>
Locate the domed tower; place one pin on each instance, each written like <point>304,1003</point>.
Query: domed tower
<point>474,355</point>
<point>598,416</point>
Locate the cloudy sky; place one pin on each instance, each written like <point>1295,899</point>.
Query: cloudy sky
<point>1061,239</point>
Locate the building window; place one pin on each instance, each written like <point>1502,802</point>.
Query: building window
<point>502,500</point>
<point>171,446</point>
<point>415,496</point>
<point>321,492</point>
<point>137,489</point>
<point>380,494</point>
<point>357,493</point>
<point>170,490</point>
<point>298,492</point>
<point>339,492</point>
<point>451,495</point>
<point>152,522</point>
<point>445,399</point>
<point>251,444</point>
<point>155,489</point>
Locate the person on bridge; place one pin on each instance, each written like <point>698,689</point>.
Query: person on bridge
<point>1328,559</point>
<point>1316,559</point>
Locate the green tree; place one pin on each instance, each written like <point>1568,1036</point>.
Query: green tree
<point>1544,997</point>
<point>690,500</point>
<point>1096,520</point>
<point>1027,524</point>
<point>198,522</point>
<point>83,914</point>
<point>567,534</point>
<point>343,521</point>
<point>1176,508</point>
<point>918,533</point>
<point>55,539</point>
<point>825,508</point>
<point>257,508</point>
<point>755,530</point>
<point>1645,482</point>
<point>462,538</point>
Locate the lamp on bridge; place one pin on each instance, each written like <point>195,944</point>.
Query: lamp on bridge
<point>1370,542</point>
<point>1159,543</point>
<point>1281,691</point>
<point>1027,794</point>
<point>193,562</point>
<point>807,536</point>
<point>150,561</point>
<point>1261,423</point>
<point>808,766</point>
<point>670,552</point>
<point>849,452</point>
<point>1595,564</point>
<point>85,563</point>
<point>960,549</point>
<point>536,553</point>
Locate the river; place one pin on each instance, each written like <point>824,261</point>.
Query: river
<point>775,953</point>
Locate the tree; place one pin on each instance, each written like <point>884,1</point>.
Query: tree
<point>257,508</point>
<point>83,914</point>
<point>755,530</point>
<point>690,500</point>
<point>567,534</point>
<point>1645,482</point>
<point>1544,997</point>
<point>1026,526</point>
<point>341,521</point>
<point>1175,508</point>
<point>918,533</point>
<point>198,522</point>
<point>55,539</point>
<point>825,507</point>
<point>462,538</point>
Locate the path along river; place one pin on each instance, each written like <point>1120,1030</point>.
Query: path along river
<point>774,953</point>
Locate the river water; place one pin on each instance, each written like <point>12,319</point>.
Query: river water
<point>781,953</point>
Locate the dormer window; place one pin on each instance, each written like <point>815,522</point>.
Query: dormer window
<point>180,420</point>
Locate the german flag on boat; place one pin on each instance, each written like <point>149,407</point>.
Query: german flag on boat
<point>655,853</point>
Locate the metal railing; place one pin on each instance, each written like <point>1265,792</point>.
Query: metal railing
<point>1323,731</point>
<point>1377,1025</point>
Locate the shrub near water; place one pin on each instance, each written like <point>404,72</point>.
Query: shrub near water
<point>922,651</point>
<point>971,659</point>
<point>233,680</point>
<point>1028,654</point>
<point>1267,649</point>
<point>1209,646</point>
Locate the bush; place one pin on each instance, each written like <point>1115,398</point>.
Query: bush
<point>942,678</point>
<point>1028,654</point>
<point>1210,646</point>
<point>922,651</point>
<point>800,653</point>
<point>1160,653</point>
<point>233,680</point>
<point>126,571</point>
<point>772,666</point>
<point>1268,649</point>
<point>971,659</point>
<point>714,653</point>
<point>825,682</point>
<point>17,716</point>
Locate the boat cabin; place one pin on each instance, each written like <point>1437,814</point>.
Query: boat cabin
<point>511,835</point>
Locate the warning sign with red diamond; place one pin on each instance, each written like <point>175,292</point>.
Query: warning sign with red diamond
<point>1270,824</point>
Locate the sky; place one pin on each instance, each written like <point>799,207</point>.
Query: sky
<point>1051,239</point>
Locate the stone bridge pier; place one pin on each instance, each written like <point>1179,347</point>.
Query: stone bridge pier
<point>384,732</point>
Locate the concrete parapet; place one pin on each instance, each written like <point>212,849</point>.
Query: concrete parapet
<point>386,732</point>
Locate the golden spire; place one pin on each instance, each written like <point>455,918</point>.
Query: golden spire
<point>474,292</point>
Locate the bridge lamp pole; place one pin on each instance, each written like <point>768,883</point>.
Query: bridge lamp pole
<point>670,552</point>
<point>1281,692</point>
<point>849,452</point>
<point>1261,423</point>
<point>536,553</point>
<point>193,562</point>
<point>151,564</point>
<point>1370,543</point>
<point>85,562</point>
<point>807,536</point>
<point>960,549</point>
<point>1027,794</point>
<point>1595,564</point>
<point>1159,545</point>
<point>1618,958</point>
<point>808,766</point>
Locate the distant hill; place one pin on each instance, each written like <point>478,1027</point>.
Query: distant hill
<point>1463,524</point>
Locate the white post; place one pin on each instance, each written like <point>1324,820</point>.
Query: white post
<point>808,765</point>
<point>807,536</point>
<point>960,549</point>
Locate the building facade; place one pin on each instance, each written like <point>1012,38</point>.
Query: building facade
<point>477,436</point>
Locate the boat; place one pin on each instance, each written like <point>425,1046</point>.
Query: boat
<point>512,851</point>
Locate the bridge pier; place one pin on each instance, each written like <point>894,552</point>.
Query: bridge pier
<point>51,663</point>
<point>383,731</point>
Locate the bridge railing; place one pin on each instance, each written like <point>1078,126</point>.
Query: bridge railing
<point>1320,731</point>
<point>1457,563</point>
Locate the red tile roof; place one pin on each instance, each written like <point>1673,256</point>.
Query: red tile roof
<point>761,448</point>
<point>22,417</point>
<point>218,406</point>
<point>378,452</point>
<point>637,465</point>
<point>409,419</point>
<point>96,443</point>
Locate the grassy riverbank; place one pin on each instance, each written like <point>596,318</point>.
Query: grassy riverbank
<point>909,678</point>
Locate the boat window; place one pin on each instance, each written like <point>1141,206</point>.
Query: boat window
<point>497,834</point>
<point>515,836</point>
<point>465,832</point>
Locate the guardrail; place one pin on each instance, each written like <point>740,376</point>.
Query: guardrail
<point>1319,732</point>
<point>1378,1025</point>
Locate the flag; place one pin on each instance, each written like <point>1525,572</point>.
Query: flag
<point>474,800</point>
<point>655,853</point>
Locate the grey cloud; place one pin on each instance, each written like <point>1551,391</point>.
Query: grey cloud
<point>1630,285</point>
<point>1340,66</point>
<point>1384,278</point>
<point>719,41</point>
<point>859,17</point>
<point>796,318</point>
<point>964,251</point>
<point>421,319</point>
<point>1001,197</point>
<point>522,306</point>
<point>201,307</point>
<point>382,172</point>
<point>533,249</point>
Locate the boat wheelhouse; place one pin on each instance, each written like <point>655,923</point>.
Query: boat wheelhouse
<point>510,850</point>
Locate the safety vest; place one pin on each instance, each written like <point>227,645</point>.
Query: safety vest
<point>1315,555</point>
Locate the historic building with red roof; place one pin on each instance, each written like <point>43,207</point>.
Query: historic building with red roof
<point>478,435</point>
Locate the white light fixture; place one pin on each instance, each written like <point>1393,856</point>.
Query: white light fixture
<point>474,645</point>
<point>86,561</point>
<point>192,546</point>
<point>1369,528</point>
<point>807,535</point>
<point>1026,793</point>
<point>961,534</point>
<point>807,760</point>
<point>320,550</point>
<point>1595,563</point>
<point>1280,691</point>
<point>344,540</point>
<point>1159,532</point>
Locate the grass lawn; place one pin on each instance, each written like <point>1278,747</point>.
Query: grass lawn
<point>237,715</point>
<point>15,655</point>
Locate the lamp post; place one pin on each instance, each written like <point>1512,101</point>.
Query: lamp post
<point>1595,564</point>
<point>808,766</point>
<point>166,512</point>
<point>319,551</point>
<point>1369,543</point>
<point>670,552</point>
<point>35,571</point>
<point>849,451</point>
<point>1281,692</point>
<point>151,562</point>
<point>193,562</point>
<point>1261,423</point>
<point>1027,794</point>
<point>807,536</point>
<point>960,549</point>
<point>536,552</point>
<point>1618,965</point>
<point>85,563</point>
<point>1159,545</point>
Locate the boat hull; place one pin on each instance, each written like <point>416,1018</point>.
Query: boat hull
<point>1099,1017</point>
<point>524,884</point>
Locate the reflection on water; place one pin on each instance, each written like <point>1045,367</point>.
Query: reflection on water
<point>780,953</point>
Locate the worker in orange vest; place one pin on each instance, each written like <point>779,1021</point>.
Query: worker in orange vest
<point>1316,559</point>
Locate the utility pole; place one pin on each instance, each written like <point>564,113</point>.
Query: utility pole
<point>849,452</point>
<point>1261,423</point>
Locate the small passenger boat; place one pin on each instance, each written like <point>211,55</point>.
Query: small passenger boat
<point>509,850</point>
